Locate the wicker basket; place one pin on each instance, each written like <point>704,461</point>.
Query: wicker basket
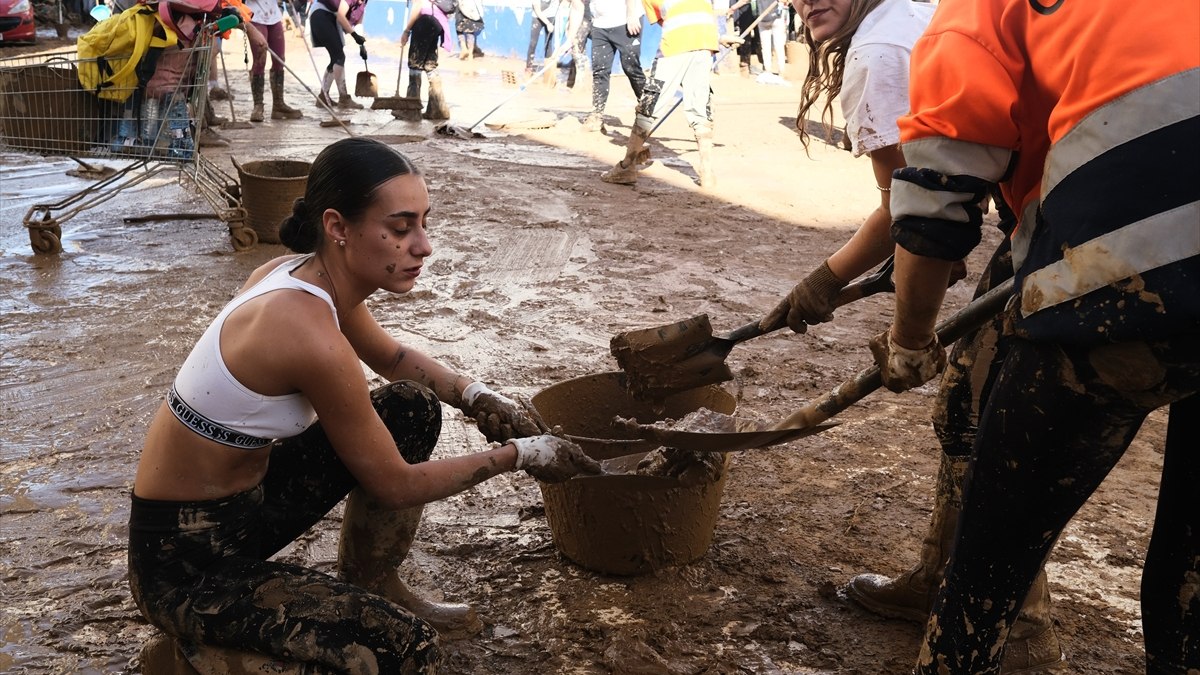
<point>269,188</point>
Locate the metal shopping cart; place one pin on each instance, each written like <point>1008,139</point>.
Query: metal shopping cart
<point>45,110</point>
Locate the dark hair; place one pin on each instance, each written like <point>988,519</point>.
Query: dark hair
<point>343,177</point>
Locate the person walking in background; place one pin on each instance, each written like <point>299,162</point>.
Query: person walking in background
<point>1092,135</point>
<point>616,30</point>
<point>268,20</point>
<point>772,33</point>
<point>329,20</point>
<point>743,13</point>
<point>427,31</point>
<point>689,40</point>
<point>579,31</point>
<point>468,25</point>
<point>544,12</point>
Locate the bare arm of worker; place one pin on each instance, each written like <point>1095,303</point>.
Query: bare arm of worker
<point>342,18</point>
<point>418,6</point>
<point>393,360</point>
<point>920,289</point>
<point>872,243</point>
<point>327,370</point>
<point>736,6</point>
<point>575,20</point>
<point>633,17</point>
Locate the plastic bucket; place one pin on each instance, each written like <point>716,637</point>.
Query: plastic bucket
<point>269,188</point>
<point>627,524</point>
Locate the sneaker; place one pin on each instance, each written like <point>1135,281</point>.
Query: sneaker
<point>219,94</point>
<point>594,122</point>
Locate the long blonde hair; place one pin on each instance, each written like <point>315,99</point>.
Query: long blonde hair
<point>826,62</point>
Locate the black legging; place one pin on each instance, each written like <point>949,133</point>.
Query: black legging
<point>199,570</point>
<point>327,34</point>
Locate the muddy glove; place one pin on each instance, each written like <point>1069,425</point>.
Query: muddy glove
<point>497,416</point>
<point>362,52</point>
<point>901,368</point>
<point>358,38</point>
<point>552,459</point>
<point>812,301</point>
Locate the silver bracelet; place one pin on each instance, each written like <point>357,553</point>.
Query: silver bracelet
<point>883,189</point>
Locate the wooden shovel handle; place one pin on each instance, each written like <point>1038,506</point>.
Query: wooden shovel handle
<point>974,315</point>
<point>880,281</point>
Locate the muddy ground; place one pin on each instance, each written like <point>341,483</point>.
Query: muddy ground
<point>537,264</point>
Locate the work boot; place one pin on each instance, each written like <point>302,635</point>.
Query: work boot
<point>257,84</point>
<point>345,101</point>
<point>209,138</point>
<point>1032,645</point>
<point>704,142</point>
<point>436,108</point>
<point>279,109</point>
<point>219,94</point>
<point>910,595</point>
<point>626,171</point>
<point>374,541</point>
<point>212,119</point>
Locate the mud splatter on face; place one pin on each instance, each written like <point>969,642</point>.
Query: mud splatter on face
<point>391,268</point>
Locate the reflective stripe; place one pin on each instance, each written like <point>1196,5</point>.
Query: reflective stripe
<point>688,19</point>
<point>1159,240</point>
<point>948,157</point>
<point>1154,106</point>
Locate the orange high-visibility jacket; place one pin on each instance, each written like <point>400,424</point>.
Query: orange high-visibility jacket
<point>1087,112</point>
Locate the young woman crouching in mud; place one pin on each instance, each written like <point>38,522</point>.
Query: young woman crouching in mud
<point>236,464</point>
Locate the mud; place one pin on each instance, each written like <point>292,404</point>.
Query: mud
<point>536,266</point>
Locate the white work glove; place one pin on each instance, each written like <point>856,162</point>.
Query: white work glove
<point>497,416</point>
<point>552,459</point>
<point>901,368</point>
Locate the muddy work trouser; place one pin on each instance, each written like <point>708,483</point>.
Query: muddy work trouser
<point>1056,420</point>
<point>690,73</point>
<point>606,41</point>
<point>199,570</point>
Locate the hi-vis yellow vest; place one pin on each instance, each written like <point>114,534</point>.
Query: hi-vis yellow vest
<point>109,53</point>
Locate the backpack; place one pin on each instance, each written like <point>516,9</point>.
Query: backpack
<point>448,7</point>
<point>112,55</point>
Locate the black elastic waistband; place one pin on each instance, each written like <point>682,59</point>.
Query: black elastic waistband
<point>155,515</point>
<point>213,431</point>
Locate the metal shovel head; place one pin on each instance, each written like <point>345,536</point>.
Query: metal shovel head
<point>665,359</point>
<point>365,85</point>
<point>743,435</point>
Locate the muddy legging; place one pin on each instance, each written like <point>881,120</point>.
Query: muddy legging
<point>606,42</point>
<point>199,570</point>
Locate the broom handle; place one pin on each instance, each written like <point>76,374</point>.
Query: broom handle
<point>562,49</point>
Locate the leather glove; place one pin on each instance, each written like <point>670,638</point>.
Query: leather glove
<point>552,459</point>
<point>497,416</point>
<point>358,38</point>
<point>362,52</point>
<point>902,369</point>
<point>812,301</point>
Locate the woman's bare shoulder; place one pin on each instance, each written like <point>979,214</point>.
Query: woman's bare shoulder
<point>266,268</point>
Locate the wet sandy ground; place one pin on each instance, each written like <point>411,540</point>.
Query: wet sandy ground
<point>536,265</point>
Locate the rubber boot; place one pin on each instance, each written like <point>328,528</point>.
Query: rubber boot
<point>414,85</point>
<point>910,595</point>
<point>626,171</point>
<point>279,109</point>
<point>375,540</point>
<point>704,142</point>
<point>345,101</point>
<point>436,108</point>
<point>257,84</point>
<point>323,98</point>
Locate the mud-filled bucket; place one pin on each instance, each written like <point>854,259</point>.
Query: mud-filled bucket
<point>269,188</point>
<point>627,524</point>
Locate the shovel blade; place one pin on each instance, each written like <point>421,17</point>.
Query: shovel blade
<point>670,358</point>
<point>365,85</point>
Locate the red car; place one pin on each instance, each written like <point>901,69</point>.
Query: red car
<point>16,22</point>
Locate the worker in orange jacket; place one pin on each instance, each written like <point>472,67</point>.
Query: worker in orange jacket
<point>1092,134</point>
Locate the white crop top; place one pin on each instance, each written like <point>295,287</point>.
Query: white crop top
<point>210,401</point>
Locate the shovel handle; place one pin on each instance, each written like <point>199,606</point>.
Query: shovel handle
<point>974,315</point>
<point>880,281</point>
